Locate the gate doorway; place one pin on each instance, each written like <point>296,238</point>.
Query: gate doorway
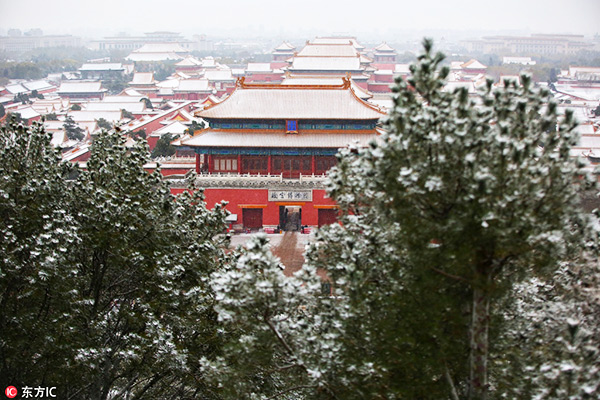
<point>290,218</point>
<point>327,216</point>
<point>252,218</point>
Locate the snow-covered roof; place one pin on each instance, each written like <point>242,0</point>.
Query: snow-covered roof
<point>58,138</point>
<point>327,81</point>
<point>586,93</point>
<point>337,40</point>
<point>45,106</point>
<point>76,152</point>
<point>326,64</point>
<point>81,87</point>
<point>384,47</point>
<point>588,141</point>
<point>312,139</point>
<point>585,129</point>
<point>168,83</point>
<point>102,67</point>
<point>143,78</point>
<point>135,108</point>
<point>140,123</point>
<point>131,92</point>
<point>38,85</point>
<point>161,48</point>
<point>328,50</point>
<point>189,61</point>
<point>16,89</point>
<point>122,99</point>
<point>27,112</point>
<point>285,46</point>
<point>153,56</point>
<point>89,116</point>
<point>175,127</point>
<point>259,67</point>
<point>219,75</point>
<point>193,85</point>
<point>209,62</point>
<point>574,71</point>
<point>473,64</point>
<point>402,69</point>
<point>165,92</point>
<point>292,102</point>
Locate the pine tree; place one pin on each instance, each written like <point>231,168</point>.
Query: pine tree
<point>104,285</point>
<point>73,131</point>
<point>163,147</point>
<point>444,216</point>
<point>474,197</point>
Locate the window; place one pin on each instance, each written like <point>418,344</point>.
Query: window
<point>291,126</point>
<point>226,164</point>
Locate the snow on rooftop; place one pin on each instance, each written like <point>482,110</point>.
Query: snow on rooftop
<point>81,87</point>
<point>175,128</point>
<point>384,47</point>
<point>193,85</point>
<point>219,75</point>
<point>102,67</point>
<point>328,50</point>
<point>89,116</point>
<point>143,78</point>
<point>39,85</point>
<point>326,64</point>
<point>135,108</point>
<point>259,67</point>
<point>293,102</point>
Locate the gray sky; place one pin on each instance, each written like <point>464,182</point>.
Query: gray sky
<point>308,17</point>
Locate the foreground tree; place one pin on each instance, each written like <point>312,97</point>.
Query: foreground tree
<point>442,218</point>
<point>103,284</point>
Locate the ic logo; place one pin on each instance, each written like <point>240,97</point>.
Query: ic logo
<point>11,392</point>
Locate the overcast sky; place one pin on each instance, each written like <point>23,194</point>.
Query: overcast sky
<point>308,17</point>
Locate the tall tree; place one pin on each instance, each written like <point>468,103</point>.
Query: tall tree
<point>443,216</point>
<point>104,288</point>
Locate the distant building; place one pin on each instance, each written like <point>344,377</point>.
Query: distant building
<point>101,70</point>
<point>537,44</point>
<point>283,52</point>
<point>21,44</point>
<point>81,90</point>
<point>144,83</point>
<point>124,42</point>
<point>384,54</point>
<point>518,60</point>
<point>158,52</point>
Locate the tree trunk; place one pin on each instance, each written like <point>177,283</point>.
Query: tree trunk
<point>478,385</point>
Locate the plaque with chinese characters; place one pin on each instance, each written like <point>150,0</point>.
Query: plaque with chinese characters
<point>290,195</point>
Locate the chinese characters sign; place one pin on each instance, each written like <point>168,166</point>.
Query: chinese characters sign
<point>290,195</point>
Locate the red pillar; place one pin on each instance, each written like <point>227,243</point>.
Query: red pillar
<point>269,164</point>
<point>239,164</point>
<point>210,164</point>
<point>312,164</point>
<point>197,163</point>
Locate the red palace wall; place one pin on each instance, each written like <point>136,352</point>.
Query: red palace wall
<point>258,198</point>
